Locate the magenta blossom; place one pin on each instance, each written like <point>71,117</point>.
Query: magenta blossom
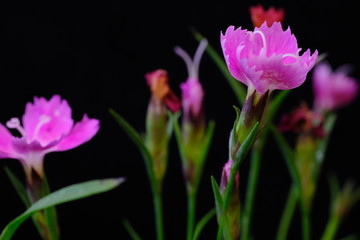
<point>332,89</point>
<point>267,58</point>
<point>192,91</point>
<point>47,127</point>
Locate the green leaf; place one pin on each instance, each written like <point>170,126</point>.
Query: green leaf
<point>203,221</point>
<point>287,153</point>
<point>131,132</point>
<point>245,146</point>
<point>275,104</point>
<point>323,143</point>
<point>133,234</point>
<point>66,194</point>
<point>178,135</point>
<point>206,148</point>
<point>170,125</point>
<point>219,202</point>
<point>219,206</point>
<point>19,187</point>
<point>236,86</point>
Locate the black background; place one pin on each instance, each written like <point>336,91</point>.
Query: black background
<point>95,55</point>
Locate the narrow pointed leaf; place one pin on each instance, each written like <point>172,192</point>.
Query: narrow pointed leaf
<point>275,104</point>
<point>202,223</point>
<point>132,133</point>
<point>246,146</point>
<point>66,194</point>
<point>178,136</point>
<point>288,154</point>
<point>323,143</point>
<point>133,234</point>
<point>236,86</point>
<point>207,143</point>
<point>19,187</point>
<point>219,202</point>
<point>170,125</point>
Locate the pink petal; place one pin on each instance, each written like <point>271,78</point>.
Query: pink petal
<point>230,42</point>
<point>275,74</point>
<point>277,40</point>
<point>6,149</point>
<point>81,132</point>
<point>47,121</point>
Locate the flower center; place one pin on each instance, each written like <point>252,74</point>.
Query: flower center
<point>263,39</point>
<point>43,120</point>
<point>14,123</point>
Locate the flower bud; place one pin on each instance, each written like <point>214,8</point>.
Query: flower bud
<point>156,120</point>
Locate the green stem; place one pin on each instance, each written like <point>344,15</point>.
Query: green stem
<point>229,188</point>
<point>287,214</point>
<point>191,215</point>
<point>305,219</point>
<point>251,191</point>
<point>331,229</point>
<point>158,214</point>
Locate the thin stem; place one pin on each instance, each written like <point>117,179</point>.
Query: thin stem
<point>158,214</point>
<point>251,191</point>
<point>191,215</point>
<point>331,229</point>
<point>305,219</point>
<point>287,214</point>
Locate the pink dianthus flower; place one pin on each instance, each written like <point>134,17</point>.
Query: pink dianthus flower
<point>267,58</point>
<point>47,127</point>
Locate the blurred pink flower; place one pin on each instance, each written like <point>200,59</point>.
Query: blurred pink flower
<point>192,91</point>
<point>332,89</point>
<point>259,15</point>
<point>267,58</point>
<point>47,127</point>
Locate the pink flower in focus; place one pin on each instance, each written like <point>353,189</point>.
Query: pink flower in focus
<point>267,58</point>
<point>259,15</point>
<point>158,82</point>
<point>192,91</point>
<point>47,127</point>
<point>332,89</point>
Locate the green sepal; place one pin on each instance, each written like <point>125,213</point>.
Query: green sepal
<point>236,86</point>
<point>18,186</point>
<point>66,194</point>
<point>129,228</point>
<point>202,222</point>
